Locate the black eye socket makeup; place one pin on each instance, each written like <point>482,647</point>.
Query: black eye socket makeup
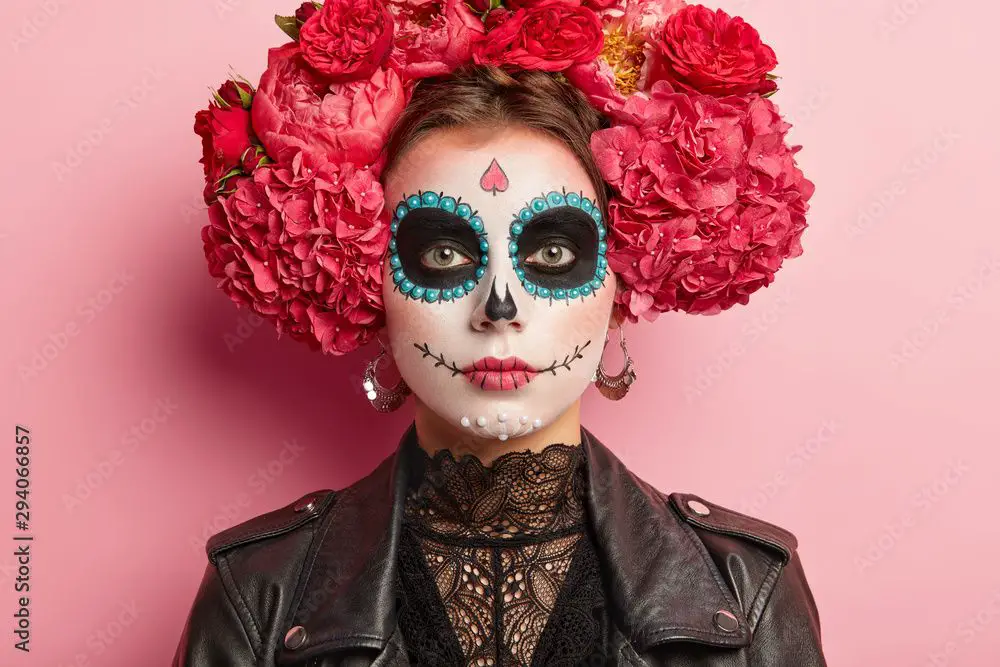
<point>437,249</point>
<point>558,248</point>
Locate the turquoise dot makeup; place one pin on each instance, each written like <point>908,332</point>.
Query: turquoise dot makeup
<point>555,224</point>
<point>432,222</point>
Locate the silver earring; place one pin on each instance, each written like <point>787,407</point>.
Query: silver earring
<point>382,398</point>
<point>614,387</point>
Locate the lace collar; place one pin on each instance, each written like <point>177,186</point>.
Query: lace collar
<point>520,495</point>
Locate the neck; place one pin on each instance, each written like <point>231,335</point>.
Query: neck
<point>433,433</point>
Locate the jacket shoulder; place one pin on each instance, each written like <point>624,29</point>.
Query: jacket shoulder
<point>270,524</point>
<point>714,518</point>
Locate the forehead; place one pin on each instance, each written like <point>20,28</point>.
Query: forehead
<point>454,160</point>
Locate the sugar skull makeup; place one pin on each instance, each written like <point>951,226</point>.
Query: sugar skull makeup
<point>497,291</point>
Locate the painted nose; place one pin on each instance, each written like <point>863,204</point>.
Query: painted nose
<point>499,312</point>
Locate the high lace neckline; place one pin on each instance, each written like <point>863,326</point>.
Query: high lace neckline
<point>520,496</point>
<point>496,562</point>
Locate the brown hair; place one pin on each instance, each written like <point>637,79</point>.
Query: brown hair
<point>485,96</point>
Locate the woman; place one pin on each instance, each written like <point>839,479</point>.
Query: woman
<point>501,531</point>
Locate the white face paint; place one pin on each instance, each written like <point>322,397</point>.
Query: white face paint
<point>485,348</point>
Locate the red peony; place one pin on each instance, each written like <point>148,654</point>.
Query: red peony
<point>607,79</point>
<point>711,53</point>
<point>304,247</point>
<point>347,40</point>
<point>226,134</point>
<point>596,5</point>
<point>596,80</point>
<point>550,35</point>
<point>433,37</point>
<point>709,200</point>
<point>496,17</point>
<point>295,110</point>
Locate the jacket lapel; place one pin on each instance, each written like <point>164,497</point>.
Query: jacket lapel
<point>662,583</point>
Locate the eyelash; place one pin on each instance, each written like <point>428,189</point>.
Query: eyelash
<point>554,268</point>
<point>458,250</point>
<point>548,201</point>
<point>541,265</point>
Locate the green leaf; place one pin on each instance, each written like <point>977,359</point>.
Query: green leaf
<point>263,160</point>
<point>235,171</point>
<point>245,95</point>
<point>772,76</point>
<point>243,79</point>
<point>289,25</point>
<point>318,5</point>
<point>218,99</point>
<point>495,4</point>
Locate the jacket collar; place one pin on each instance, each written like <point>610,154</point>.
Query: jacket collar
<point>662,583</point>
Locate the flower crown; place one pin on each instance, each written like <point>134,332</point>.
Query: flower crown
<point>707,198</point>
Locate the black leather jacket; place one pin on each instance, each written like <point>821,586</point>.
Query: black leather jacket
<point>690,583</point>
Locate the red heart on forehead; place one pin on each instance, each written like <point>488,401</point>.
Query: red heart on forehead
<point>494,180</point>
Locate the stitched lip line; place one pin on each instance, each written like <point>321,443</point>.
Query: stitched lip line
<point>498,377</point>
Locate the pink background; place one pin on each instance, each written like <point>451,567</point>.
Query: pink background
<point>853,402</point>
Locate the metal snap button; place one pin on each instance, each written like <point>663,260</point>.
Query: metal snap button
<point>305,505</point>
<point>726,621</point>
<point>295,637</point>
<point>699,508</point>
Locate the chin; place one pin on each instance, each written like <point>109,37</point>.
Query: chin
<point>504,415</point>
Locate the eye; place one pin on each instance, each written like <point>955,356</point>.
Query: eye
<point>552,257</point>
<point>444,257</point>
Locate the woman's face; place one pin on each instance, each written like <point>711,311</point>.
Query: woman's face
<point>497,292</point>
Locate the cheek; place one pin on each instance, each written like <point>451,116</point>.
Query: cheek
<point>410,321</point>
<point>581,321</point>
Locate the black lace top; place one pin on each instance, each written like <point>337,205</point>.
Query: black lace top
<point>497,563</point>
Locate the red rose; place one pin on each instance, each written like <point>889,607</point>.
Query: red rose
<point>225,135</point>
<point>347,40</point>
<point>305,11</point>
<point>550,35</point>
<point>230,92</point>
<point>709,52</point>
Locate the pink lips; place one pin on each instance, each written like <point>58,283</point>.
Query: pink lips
<point>494,374</point>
